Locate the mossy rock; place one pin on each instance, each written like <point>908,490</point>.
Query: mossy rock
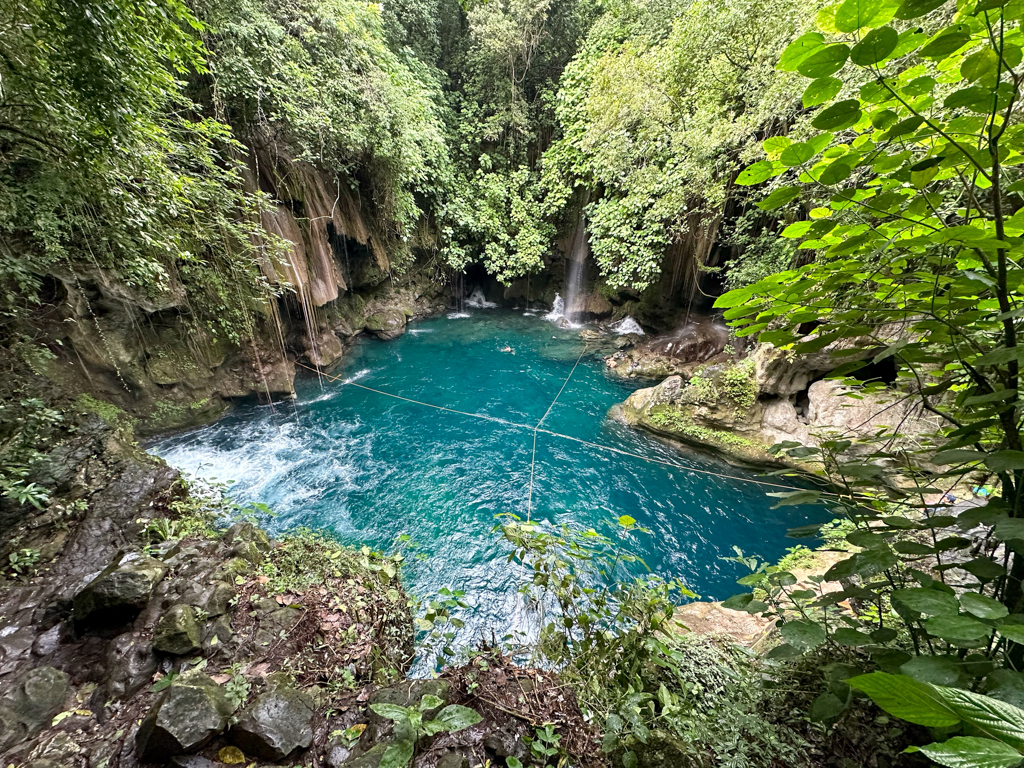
<point>386,324</point>
<point>177,632</point>
<point>186,718</point>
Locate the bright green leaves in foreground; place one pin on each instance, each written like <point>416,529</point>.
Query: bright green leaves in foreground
<point>908,183</point>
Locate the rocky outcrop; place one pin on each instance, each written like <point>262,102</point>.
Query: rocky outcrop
<point>187,717</point>
<point>741,409</point>
<point>680,352</point>
<point>120,592</point>
<point>388,324</point>
<point>177,632</point>
<point>275,725</point>
<point>30,704</point>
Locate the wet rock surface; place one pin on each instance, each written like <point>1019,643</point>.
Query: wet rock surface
<point>187,717</point>
<point>275,725</point>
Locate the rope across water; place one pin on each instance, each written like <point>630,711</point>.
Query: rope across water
<point>537,429</point>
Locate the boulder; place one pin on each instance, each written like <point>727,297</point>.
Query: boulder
<point>217,599</point>
<point>453,760</point>
<point>186,718</point>
<point>177,632</point>
<point>119,592</point>
<point>386,324</point>
<point>30,704</point>
<point>324,350</point>
<point>131,664</point>
<point>247,542</point>
<point>192,761</point>
<point>370,759</point>
<point>275,725</point>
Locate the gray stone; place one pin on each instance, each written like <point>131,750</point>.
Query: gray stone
<point>47,642</point>
<point>185,719</point>
<point>131,664</point>
<point>177,632</point>
<point>119,592</point>
<point>191,761</point>
<point>248,533</point>
<point>31,703</point>
<point>275,725</point>
<point>369,759</point>
<point>386,324</point>
<point>453,760</point>
<point>217,600</point>
<point>217,637</point>
<point>507,741</point>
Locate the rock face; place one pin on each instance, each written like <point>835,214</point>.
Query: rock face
<point>741,409</point>
<point>177,632</point>
<point>275,725</point>
<point>119,592</point>
<point>130,665</point>
<point>30,704</point>
<point>388,324</point>
<point>189,715</point>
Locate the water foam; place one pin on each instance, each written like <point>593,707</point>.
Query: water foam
<point>627,325</point>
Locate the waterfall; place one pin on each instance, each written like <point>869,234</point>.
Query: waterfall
<point>575,270</point>
<point>557,309</point>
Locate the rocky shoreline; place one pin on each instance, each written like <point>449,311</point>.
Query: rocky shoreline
<point>145,633</point>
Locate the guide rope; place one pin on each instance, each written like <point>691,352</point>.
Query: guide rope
<point>537,428</point>
<point>533,457</point>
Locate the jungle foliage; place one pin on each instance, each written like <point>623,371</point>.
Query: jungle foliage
<point>910,190</point>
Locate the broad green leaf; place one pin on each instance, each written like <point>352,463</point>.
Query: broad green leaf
<point>778,198</point>
<point>857,14</point>
<point>1005,461</point>
<point>738,602</point>
<point>907,699</point>
<point>797,154</point>
<point>456,717</point>
<point>979,65</point>
<point>821,90</point>
<point>992,717</point>
<point>930,602</point>
<point>851,637</point>
<point>734,298</point>
<point>956,628</point>
<point>1012,632</point>
<point>398,754</point>
<point>972,752</point>
<point>791,498</point>
<point>945,44</point>
<point>390,711</point>
<point>937,670</point>
<point>982,606</point>
<point>803,634</point>
<point>876,45</point>
<point>774,145</point>
<point>957,456</point>
<point>826,706</point>
<point>824,61</point>
<point>794,230</point>
<point>759,172</point>
<point>835,173</point>
<point>840,115</point>
<point>799,49</point>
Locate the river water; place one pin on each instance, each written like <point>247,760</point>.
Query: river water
<point>371,468</point>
